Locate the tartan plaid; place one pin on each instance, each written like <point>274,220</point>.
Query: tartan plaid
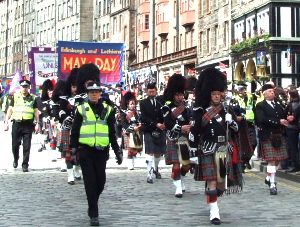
<point>269,153</point>
<point>171,155</point>
<point>151,147</point>
<point>64,142</point>
<point>206,169</point>
<point>210,113</point>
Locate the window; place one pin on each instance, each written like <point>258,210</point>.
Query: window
<point>147,22</point>
<point>216,38</point>
<point>207,6</point>
<point>208,40</point>
<point>225,35</point>
<point>107,30</point>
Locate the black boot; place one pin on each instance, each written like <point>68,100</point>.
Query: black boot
<point>94,221</point>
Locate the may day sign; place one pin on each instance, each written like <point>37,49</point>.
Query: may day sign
<point>107,56</point>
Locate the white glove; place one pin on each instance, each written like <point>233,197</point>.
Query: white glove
<point>228,118</point>
<point>6,126</point>
<point>191,137</point>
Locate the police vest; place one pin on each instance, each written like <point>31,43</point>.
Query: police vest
<point>94,131</point>
<point>23,109</point>
<point>248,107</point>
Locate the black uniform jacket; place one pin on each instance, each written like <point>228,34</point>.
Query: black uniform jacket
<point>97,109</point>
<point>150,114</point>
<point>268,119</point>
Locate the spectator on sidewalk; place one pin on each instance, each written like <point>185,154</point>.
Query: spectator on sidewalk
<point>292,130</point>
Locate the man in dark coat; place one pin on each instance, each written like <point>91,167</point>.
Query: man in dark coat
<point>271,121</point>
<point>153,128</point>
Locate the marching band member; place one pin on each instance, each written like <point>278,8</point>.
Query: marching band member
<point>271,121</point>
<point>131,125</point>
<point>45,110</point>
<point>177,123</point>
<point>213,132</point>
<point>153,128</point>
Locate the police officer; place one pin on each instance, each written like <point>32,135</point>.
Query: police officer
<point>22,109</point>
<point>92,132</point>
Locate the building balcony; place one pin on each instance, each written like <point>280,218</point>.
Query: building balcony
<point>144,8</point>
<point>187,18</point>
<point>144,37</point>
<point>162,28</point>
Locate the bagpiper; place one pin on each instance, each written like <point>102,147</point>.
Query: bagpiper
<point>214,133</point>
<point>177,122</point>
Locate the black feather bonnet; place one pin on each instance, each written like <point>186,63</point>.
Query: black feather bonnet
<point>210,79</point>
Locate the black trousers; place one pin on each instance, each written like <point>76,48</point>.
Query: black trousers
<point>293,146</point>
<point>21,132</point>
<point>93,165</point>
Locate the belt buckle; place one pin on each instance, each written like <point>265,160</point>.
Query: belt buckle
<point>221,139</point>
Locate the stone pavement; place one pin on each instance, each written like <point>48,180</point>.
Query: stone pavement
<point>43,198</point>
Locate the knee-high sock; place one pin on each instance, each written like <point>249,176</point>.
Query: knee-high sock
<point>149,161</point>
<point>271,170</point>
<point>155,163</point>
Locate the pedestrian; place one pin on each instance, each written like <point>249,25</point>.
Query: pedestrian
<point>218,158</point>
<point>92,132</point>
<point>292,130</point>
<point>131,124</point>
<point>22,110</point>
<point>271,123</point>
<point>177,122</point>
<point>153,130</point>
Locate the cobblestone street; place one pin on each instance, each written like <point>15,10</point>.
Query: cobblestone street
<point>43,198</point>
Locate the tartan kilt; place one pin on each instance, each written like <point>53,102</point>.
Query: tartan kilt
<point>171,155</point>
<point>270,153</point>
<point>64,143</point>
<point>154,148</point>
<point>126,143</point>
<point>206,169</point>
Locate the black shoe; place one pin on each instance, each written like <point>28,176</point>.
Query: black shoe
<point>78,178</point>
<point>71,182</point>
<point>267,182</point>
<point>94,221</point>
<point>178,195</point>
<point>157,174</point>
<point>273,191</point>
<point>215,221</point>
<point>149,180</point>
<point>15,165</point>
<point>248,166</point>
<point>25,169</point>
